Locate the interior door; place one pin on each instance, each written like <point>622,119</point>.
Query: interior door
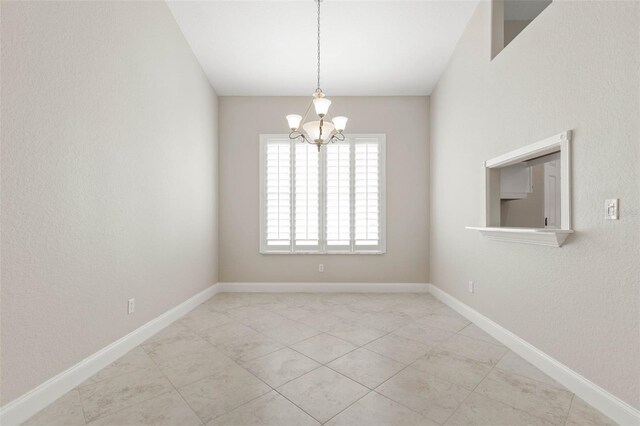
<point>552,194</point>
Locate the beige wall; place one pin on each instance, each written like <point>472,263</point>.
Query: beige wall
<point>108,179</point>
<point>574,67</point>
<point>405,122</point>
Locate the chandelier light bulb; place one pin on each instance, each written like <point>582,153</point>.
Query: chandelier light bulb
<point>340,123</point>
<point>322,106</point>
<point>313,130</point>
<point>294,121</point>
<point>323,131</point>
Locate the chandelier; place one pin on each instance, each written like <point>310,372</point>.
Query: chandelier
<point>324,130</point>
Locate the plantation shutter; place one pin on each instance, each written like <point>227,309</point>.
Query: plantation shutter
<point>277,200</point>
<point>330,201</point>
<point>307,197</point>
<point>338,196</point>
<point>367,179</point>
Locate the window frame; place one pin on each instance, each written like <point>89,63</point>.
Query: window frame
<point>322,246</point>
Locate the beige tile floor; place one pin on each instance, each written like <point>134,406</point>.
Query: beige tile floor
<point>308,359</point>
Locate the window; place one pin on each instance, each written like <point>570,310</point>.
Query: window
<point>330,201</point>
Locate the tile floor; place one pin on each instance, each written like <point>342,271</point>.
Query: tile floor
<point>308,359</point>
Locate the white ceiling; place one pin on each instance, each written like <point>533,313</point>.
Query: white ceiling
<point>268,48</point>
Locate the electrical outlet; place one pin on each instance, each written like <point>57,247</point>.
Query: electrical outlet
<point>611,209</point>
<point>321,267</point>
<point>131,307</point>
<point>471,287</point>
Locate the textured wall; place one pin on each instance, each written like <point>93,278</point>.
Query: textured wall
<point>405,122</point>
<point>575,67</point>
<point>109,179</point>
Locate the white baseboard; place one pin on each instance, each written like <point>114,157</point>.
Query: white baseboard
<point>30,403</point>
<point>35,400</point>
<point>324,287</point>
<point>610,405</point>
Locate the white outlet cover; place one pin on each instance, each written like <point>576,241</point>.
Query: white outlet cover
<point>611,211</point>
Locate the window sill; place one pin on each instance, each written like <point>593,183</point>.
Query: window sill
<point>342,253</point>
<point>543,237</point>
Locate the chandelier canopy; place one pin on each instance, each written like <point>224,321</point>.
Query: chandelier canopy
<point>326,129</point>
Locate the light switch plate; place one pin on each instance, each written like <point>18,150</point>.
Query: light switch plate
<point>611,209</point>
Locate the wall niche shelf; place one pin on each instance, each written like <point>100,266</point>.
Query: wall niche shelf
<point>559,211</point>
<point>543,237</point>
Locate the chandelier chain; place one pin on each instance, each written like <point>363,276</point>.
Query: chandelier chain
<point>321,132</point>
<point>318,88</point>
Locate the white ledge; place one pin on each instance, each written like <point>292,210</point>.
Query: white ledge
<point>538,236</point>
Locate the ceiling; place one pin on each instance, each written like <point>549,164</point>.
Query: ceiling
<point>268,48</point>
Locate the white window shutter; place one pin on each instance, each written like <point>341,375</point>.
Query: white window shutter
<point>307,197</point>
<point>367,177</point>
<point>332,201</point>
<point>338,196</point>
<point>277,197</point>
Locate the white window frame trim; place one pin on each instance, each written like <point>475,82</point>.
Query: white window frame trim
<point>322,249</point>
